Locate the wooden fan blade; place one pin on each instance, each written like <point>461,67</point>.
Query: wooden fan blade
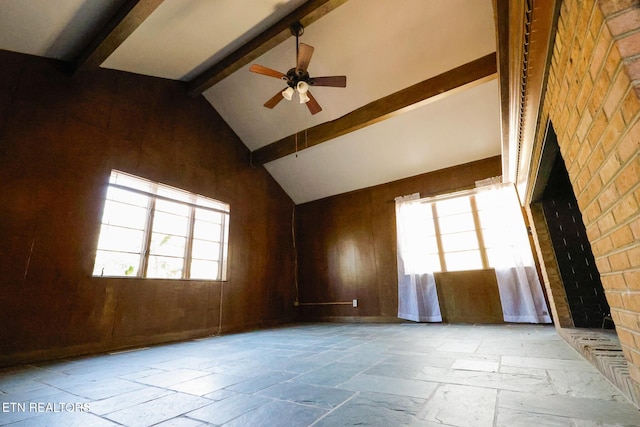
<point>313,105</point>
<point>259,69</point>
<point>275,100</point>
<point>333,81</point>
<point>304,56</point>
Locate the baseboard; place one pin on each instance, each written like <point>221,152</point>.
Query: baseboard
<point>351,319</point>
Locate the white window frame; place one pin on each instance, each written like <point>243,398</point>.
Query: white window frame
<point>190,200</point>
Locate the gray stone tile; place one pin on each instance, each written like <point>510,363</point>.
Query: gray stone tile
<point>475,365</point>
<point>245,369</point>
<point>330,375</point>
<point>459,346</point>
<point>307,394</point>
<point>169,378</point>
<point>142,373</point>
<point>181,422</point>
<point>408,371</point>
<point>100,389</point>
<point>255,384</point>
<point>226,410</point>
<point>460,405</point>
<point>190,362</point>
<point>279,414</point>
<point>206,384</point>
<point>584,384</point>
<point>389,385</point>
<point>34,391</point>
<point>220,395</point>
<point>497,380</point>
<point>511,418</point>
<point>127,400</point>
<point>25,379</point>
<point>373,409</point>
<point>564,365</point>
<point>571,407</point>
<point>158,410</point>
<point>533,372</point>
<point>531,349</point>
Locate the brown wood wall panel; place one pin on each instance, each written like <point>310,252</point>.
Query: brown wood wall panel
<point>59,138</point>
<point>347,243</point>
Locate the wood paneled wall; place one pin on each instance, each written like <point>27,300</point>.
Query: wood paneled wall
<point>346,244</point>
<point>60,137</point>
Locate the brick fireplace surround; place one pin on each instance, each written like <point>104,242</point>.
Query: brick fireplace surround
<point>592,99</point>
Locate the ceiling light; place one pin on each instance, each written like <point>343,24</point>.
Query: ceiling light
<point>302,87</point>
<point>304,98</point>
<point>288,93</point>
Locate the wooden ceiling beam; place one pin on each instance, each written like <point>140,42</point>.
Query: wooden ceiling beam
<point>306,14</point>
<point>462,77</point>
<point>126,20</point>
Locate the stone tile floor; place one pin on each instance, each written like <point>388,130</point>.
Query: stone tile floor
<point>326,375</point>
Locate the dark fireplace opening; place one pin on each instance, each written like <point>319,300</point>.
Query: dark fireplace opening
<point>580,276</point>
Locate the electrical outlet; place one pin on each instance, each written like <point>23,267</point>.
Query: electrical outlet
<point>355,302</point>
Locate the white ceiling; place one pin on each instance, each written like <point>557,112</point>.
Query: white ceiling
<point>381,46</point>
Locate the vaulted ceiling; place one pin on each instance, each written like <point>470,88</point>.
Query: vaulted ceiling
<point>422,89</point>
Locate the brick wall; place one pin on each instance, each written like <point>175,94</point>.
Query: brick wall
<point>593,101</point>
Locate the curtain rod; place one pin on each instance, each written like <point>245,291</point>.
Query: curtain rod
<point>457,193</point>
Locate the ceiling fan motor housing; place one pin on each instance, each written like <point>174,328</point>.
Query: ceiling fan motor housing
<point>296,75</point>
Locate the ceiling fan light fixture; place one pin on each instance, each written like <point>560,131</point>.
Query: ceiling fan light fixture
<point>302,87</point>
<point>288,93</point>
<point>304,98</point>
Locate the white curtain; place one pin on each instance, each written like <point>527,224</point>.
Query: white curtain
<point>510,254</point>
<point>417,297</point>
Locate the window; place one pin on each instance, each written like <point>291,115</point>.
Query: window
<point>461,231</point>
<point>157,231</point>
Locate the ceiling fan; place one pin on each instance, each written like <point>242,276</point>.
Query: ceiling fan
<point>297,78</point>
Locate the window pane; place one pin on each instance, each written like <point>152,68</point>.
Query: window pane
<point>210,203</point>
<point>127,197</point>
<point>166,244</point>
<point>206,230</point>
<point>494,237</point>
<point>489,219</point>
<point>172,207</point>
<point>493,258</point>
<point>160,267</point>
<point>456,223</point>
<point>460,241</point>
<point>211,216</point>
<point>174,193</point>
<point>453,206</point>
<point>131,181</point>
<point>129,216</point>
<point>120,239</point>
<point>203,249</point>
<point>204,269</point>
<point>466,260</point>
<point>116,264</point>
<point>170,224</point>
<point>433,262</point>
